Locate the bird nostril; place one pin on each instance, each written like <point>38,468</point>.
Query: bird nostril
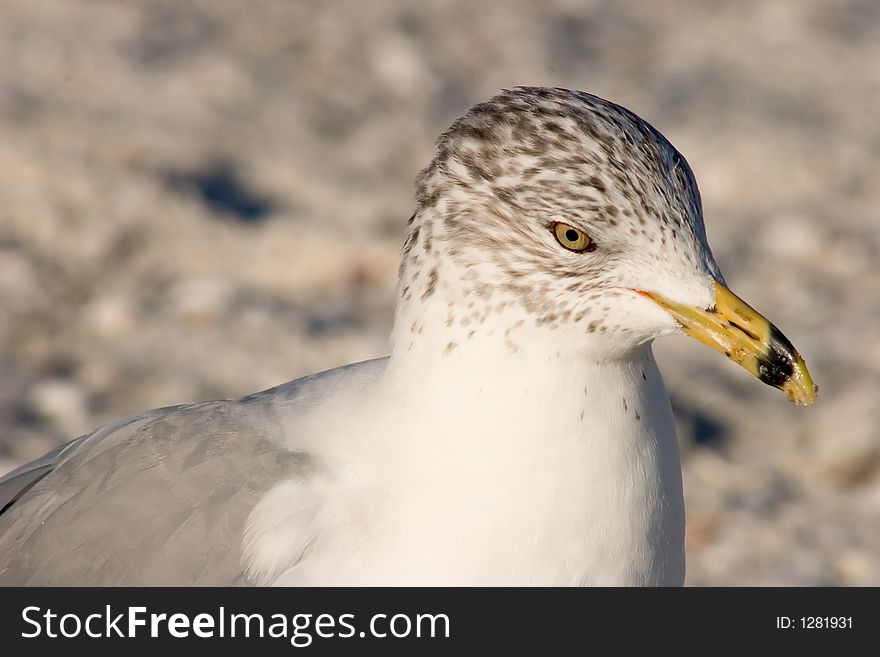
<point>744,330</point>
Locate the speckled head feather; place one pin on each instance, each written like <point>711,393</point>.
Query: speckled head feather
<point>481,242</point>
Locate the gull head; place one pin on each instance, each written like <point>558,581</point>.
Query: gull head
<point>556,221</point>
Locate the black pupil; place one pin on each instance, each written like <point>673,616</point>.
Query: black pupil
<point>572,235</point>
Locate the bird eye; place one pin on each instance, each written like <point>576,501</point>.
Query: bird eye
<point>571,238</point>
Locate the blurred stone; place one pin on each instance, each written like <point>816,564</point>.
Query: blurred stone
<point>60,404</point>
<point>701,530</point>
<point>852,457</point>
<point>200,300</point>
<point>793,238</point>
<point>857,567</point>
<point>109,317</point>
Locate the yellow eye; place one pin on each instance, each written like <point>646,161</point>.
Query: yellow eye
<point>571,238</point>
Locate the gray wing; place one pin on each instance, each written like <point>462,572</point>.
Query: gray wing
<point>156,499</point>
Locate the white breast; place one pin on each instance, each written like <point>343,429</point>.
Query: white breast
<point>569,475</point>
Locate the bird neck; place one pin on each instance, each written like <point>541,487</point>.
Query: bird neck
<point>511,370</point>
<point>577,456</point>
<point>469,350</point>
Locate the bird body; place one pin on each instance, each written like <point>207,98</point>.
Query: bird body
<point>519,433</point>
<point>419,494</point>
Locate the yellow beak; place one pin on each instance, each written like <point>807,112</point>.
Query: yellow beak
<point>745,336</point>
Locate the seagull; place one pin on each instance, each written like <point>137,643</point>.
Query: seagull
<point>519,432</point>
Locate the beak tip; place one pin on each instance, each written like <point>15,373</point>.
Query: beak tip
<point>800,388</point>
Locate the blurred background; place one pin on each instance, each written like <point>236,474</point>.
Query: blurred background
<point>203,199</point>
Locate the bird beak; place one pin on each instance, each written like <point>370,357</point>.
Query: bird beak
<point>745,336</point>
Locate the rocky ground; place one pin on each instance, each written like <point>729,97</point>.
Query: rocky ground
<point>204,199</point>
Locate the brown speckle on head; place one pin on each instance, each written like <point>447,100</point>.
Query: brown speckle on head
<point>411,241</point>
<point>510,329</point>
<point>432,284</point>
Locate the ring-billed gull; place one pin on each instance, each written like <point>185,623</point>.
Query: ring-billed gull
<point>518,433</point>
